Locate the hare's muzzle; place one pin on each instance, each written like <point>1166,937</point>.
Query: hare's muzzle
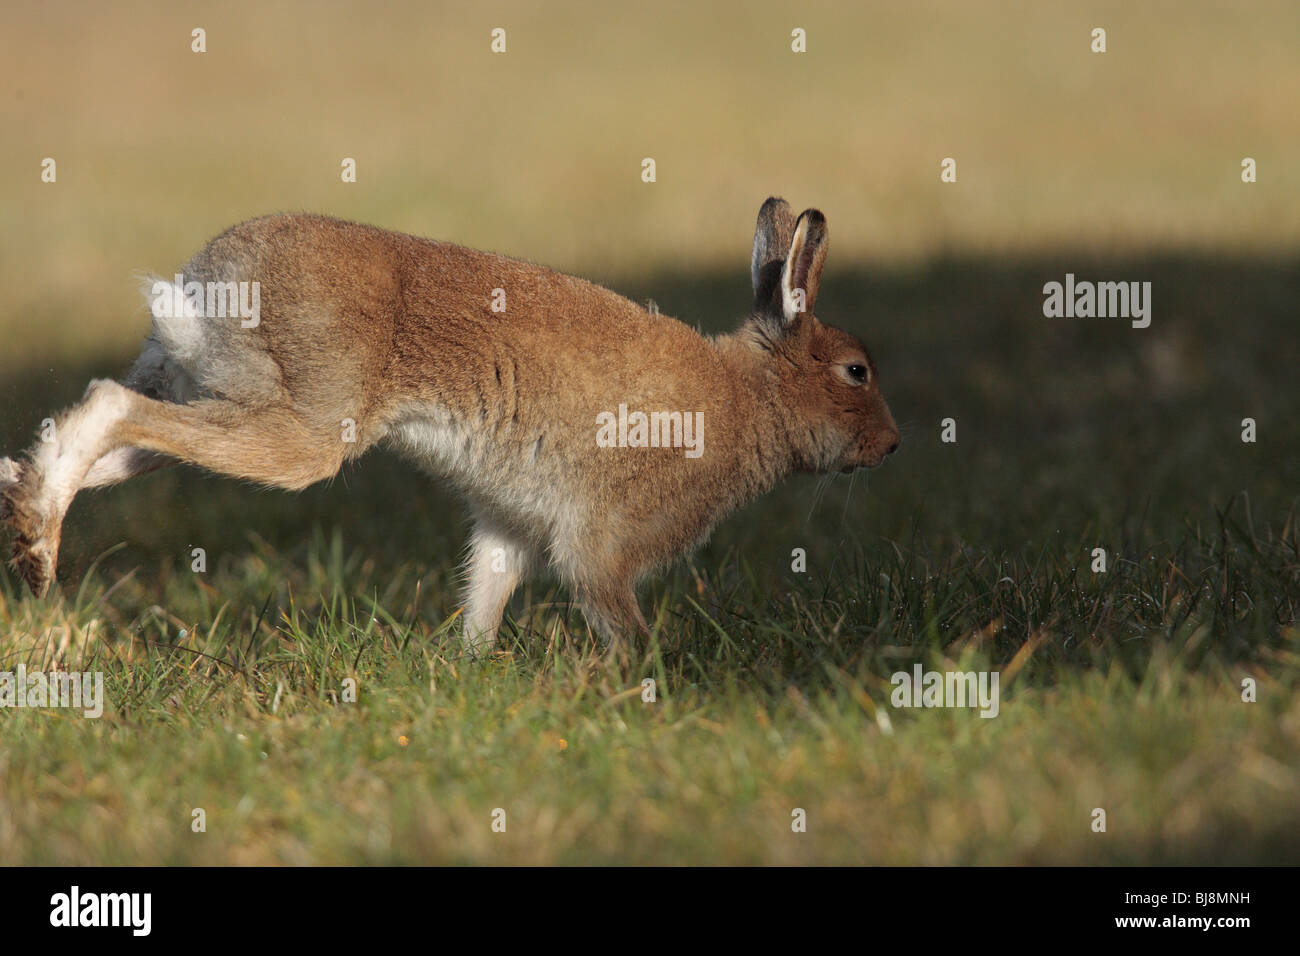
<point>875,453</point>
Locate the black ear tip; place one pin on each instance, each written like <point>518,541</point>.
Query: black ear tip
<point>772,204</point>
<point>814,225</point>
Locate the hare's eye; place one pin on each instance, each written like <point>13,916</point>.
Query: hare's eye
<point>858,373</point>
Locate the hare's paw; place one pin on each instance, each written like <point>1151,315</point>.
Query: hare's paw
<point>35,532</point>
<point>11,472</point>
<point>36,563</point>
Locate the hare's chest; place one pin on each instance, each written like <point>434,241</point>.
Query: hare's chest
<point>481,462</point>
<point>439,443</point>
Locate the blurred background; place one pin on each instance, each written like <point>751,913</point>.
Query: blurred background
<point>537,152</point>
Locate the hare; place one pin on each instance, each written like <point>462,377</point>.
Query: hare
<point>587,433</point>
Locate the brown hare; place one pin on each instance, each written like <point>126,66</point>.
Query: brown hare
<point>586,432</point>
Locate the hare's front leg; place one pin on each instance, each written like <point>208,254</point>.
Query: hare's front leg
<point>611,610</point>
<point>497,562</point>
<point>601,573</point>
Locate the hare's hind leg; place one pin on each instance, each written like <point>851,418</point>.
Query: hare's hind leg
<point>122,464</point>
<point>38,491</point>
<point>35,494</point>
<point>271,444</point>
<point>154,375</point>
<point>40,528</point>
<point>10,473</point>
<point>267,445</point>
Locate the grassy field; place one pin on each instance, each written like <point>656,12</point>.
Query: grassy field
<point>1121,690</point>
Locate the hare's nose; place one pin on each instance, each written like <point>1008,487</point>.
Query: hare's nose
<point>893,448</point>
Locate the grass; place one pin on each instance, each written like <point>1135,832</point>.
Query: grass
<point>1119,690</point>
<point>764,705</point>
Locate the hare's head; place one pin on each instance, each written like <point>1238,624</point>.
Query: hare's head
<point>825,379</point>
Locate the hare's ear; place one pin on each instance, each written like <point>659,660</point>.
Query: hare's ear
<point>771,246</point>
<point>802,274</point>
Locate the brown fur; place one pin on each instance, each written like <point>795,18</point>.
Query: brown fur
<point>397,334</point>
